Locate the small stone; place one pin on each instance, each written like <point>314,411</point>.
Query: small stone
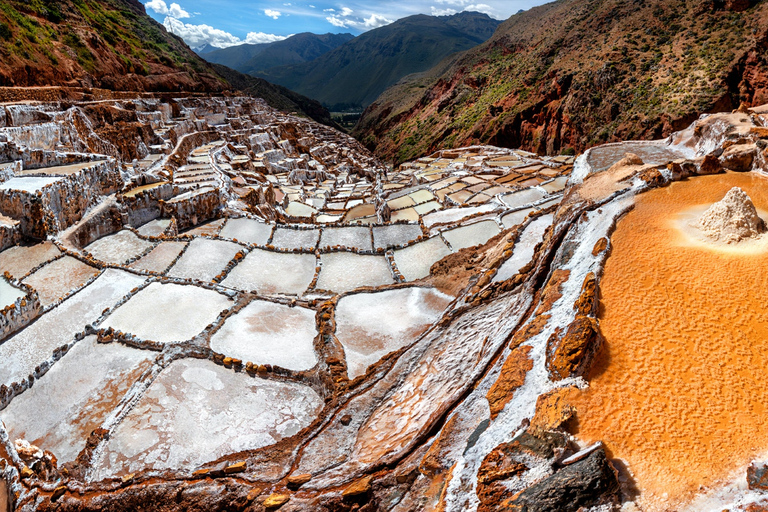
<point>238,467</point>
<point>58,492</point>
<point>128,477</point>
<point>296,481</point>
<point>757,476</point>
<point>201,473</point>
<point>358,488</point>
<point>346,419</point>
<point>26,472</point>
<point>275,501</point>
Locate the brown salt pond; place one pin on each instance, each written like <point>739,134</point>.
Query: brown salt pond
<point>678,391</point>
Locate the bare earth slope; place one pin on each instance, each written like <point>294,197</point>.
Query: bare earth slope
<point>575,73</point>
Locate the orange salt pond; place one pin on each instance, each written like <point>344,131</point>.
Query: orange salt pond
<point>678,391</point>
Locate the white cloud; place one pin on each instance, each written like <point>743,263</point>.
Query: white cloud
<point>272,13</point>
<point>336,21</point>
<point>453,2</point>
<point>261,37</point>
<point>443,12</point>
<point>344,19</point>
<point>160,7</point>
<point>376,21</point>
<point>200,35</point>
<point>483,8</point>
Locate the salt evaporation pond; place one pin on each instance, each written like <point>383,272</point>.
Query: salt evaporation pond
<point>197,411</point>
<point>267,333</point>
<point>471,234</point>
<point>269,272</point>
<point>656,153</point>
<point>394,235</point>
<point>59,277</point>
<point>287,238</point>
<point>204,259</point>
<point>159,258</point>
<point>154,227</point>
<point>344,271</point>
<point>247,230</point>
<point>524,197</point>
<point>371,325</point>
<point>20,259</point>
<point>514,218</point>
<point>354,237</point>
<point>77,394</point>
<point>119,247</point>
<point>524,247</point>
<point>414,261</point>
<point>30,184</point>
<point>21,353</point>
<point>9,294</point>
<point>168,313</point>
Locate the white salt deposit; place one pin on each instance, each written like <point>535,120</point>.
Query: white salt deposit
<point>204,259</point>
<point>9,294</point>
<point>59,277</point>
<point>270,272</point>
<point>394,234</point>
<point>267,333</point>
<point>286,238</point>
<point>247,230</point>
<point>371,325</point>
<point>30,184</point>
<point>119,247</point>
<point>76,394</point>
<point>19,259</point>
<point>197,411</point>
<point>20,354</point>
<point>514,218</point>
<point>357,237</point>
<point>471,234</point>
<point>345,271</point>
<point>168,313</point>
<point>159,258</point>
<point>732,219</point>
<point>455,214</point>
<point>524,197</point>
<point>523,250</point>
<point>414,261</point>
<point>154,227</point>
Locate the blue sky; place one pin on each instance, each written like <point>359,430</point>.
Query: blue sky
<point>225,23</point>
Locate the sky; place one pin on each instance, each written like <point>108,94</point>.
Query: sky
<point>226,23</point>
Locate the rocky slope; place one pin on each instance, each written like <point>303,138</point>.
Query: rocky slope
<point>574,73</point>
<point>358,71</point>
<point>113,45</point>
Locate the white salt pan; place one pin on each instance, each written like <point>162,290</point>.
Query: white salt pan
<point>197,411</point>
<point>371,325</point>
<point>267,333</point>
<point>344,271</point>
<point>168,313</point>
<point>270,272</point>
<point>204,259</point>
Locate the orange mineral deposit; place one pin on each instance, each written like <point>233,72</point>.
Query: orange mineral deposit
<point>678,391</point>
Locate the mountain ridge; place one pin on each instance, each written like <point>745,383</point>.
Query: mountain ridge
<point>570,74</point>
<point>358,71</point>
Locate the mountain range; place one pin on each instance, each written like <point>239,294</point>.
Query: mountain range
<point>571,74</point>
<point>354,73</point>
<point>254,58</point>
